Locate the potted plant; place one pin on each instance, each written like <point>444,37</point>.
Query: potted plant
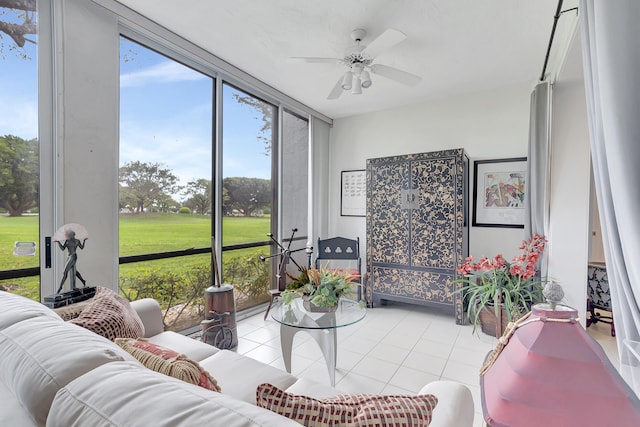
<point>498,291</point>
<point>320,289</point>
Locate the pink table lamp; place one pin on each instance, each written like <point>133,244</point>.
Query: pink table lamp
<point>552,373</point>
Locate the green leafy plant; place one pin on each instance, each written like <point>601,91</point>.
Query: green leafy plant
<point>323,287</point>
<point>496,283</point>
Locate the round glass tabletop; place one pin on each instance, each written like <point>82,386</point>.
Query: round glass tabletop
<point>296,316</point>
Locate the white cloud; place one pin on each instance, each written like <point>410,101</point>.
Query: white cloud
<point>180,149</point>
<point>168,71</point>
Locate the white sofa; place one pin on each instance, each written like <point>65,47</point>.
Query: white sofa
<point>55,373</point>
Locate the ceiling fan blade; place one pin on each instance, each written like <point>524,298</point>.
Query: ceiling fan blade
<point>317,60</point>
<point>337,90</point>
<point>395,74</point>
<point>384,41</point>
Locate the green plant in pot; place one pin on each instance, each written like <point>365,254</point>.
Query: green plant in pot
<point>496,288</point>
<point>320,288</point>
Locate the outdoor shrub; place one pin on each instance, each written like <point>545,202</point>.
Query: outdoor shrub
<point>184,210</point>
<point>178,293</point>
<point>248,274</point>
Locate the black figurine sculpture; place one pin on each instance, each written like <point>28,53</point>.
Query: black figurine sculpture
<point>70,237</point>
<point>71,245</point>
<point>74,236</point>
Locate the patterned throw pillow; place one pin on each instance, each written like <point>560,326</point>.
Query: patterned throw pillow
<point>72,311</point>
<point>110,315</point>
<point>354,410</point>
<point>168,362</point>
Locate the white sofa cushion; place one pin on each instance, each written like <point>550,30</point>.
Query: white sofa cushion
<point>38,356</point>
<point>307,387</point>
<point>240,376</point>
<point>122,394</point>
<point>151,315</point>
<point>16,308</point>
<point>456,404</point>
<point>192,348</point>
<point>12,413</point>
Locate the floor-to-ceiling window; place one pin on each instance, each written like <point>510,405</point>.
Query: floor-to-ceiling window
<point>165,202</point>
<point>19,149</point>
<point>295,185</point>
<point>249,131</point>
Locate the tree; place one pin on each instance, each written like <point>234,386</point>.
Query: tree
<point>266,111</point>
<point>18,174</point>
<point>166,203</point>
<point>247,194</point>
<point>24,12</point>
<point>147,183</point>
<point>200,196</point>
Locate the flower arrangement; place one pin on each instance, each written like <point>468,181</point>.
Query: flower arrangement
<point>323,287</point>
<point>495,282</point>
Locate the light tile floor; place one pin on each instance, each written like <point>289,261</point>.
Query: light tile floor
<point>395,349</point>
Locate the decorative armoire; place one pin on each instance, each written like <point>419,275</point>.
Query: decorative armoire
<point>417,231</point>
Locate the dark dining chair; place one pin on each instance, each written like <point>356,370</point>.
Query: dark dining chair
<point>340,253</point>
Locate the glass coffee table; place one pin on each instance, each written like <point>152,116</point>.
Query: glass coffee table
<point>322,327</point>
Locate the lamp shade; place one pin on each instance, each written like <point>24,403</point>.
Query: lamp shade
<point>346,80</point>
<point>357,86</point>
<point>552,373</point>
<point>366,79</point>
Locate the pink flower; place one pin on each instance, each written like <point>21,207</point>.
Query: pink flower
<point>484,264</point>
<point>465,268</point>
<point>499,261</point>
<point>516,270</point>
<point>520,258</point>
<point>522,266</point>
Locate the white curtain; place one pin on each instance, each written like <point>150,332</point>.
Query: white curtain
<point>319,183</point>
<point>537,180</point>
<point>611,55</point>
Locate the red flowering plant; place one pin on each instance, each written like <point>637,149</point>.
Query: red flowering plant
<point>516,285</point>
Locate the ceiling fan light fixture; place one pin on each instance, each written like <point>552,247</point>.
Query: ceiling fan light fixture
<point>360,62</point>
<point>365,79</point>
<point>347,80</point>
<point>357,86</point>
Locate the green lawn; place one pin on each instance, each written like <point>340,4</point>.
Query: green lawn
<point>167,232</point>
<point>140,234</point>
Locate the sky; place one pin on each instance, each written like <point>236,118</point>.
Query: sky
<point>18,90</point>
<point>166,116</point>
<point>165,113</point>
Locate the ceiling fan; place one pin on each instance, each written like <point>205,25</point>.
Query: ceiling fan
<point>359,59</point>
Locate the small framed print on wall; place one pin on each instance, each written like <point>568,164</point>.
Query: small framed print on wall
<point>499,192</point>
<point>353,185</point>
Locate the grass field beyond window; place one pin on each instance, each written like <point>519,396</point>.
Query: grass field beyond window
<point>140,234</point>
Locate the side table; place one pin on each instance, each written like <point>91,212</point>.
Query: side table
<point>322,327</point>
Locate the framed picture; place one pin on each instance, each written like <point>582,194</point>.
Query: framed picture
<point>353,186</point>
<point>498,192</point>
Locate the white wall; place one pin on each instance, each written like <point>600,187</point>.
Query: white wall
<point>488,125</point>
<point>570,183</point>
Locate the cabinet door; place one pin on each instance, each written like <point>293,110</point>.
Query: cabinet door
<point>433,225</point>
<point>387,219</point>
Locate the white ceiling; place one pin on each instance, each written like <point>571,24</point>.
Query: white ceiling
<point>456,46</point>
